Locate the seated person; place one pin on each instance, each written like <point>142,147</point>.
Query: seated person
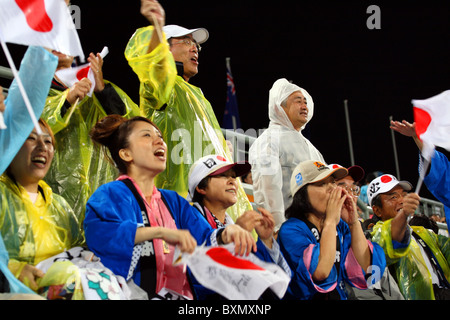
<point>35,223</point>
<point>322,239</point>
<point>42,234</point>
<point>418,257</point>
<point>386,288</point>
<point>36,72</point>
<point>213,188</point>
<point>133,226</point>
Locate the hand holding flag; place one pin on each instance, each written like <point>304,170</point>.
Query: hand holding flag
<point>91,71</point>
<point>431,127</point>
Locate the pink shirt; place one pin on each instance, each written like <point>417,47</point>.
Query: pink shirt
<point>167,275</point>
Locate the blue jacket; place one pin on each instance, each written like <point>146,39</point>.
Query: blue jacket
<point>438,181</point>
<point>301,251</point>
<point>113,215</point>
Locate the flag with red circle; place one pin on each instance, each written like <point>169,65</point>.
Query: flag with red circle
<point>45,23</point>
<point>70,76</point>
<point>432,119</point>
<point>235,277</point>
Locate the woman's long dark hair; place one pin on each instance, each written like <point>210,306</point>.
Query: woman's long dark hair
<point>300,206</point>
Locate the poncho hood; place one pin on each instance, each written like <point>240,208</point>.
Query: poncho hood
<point>280,90</point>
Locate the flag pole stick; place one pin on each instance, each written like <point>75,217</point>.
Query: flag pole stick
<point>394,146</point>
<point>422,174</point>
<point>349,133</point>
<point>157,27</point>
<point>421,177</point>
<point>21,88</point>
<point>2,121</point>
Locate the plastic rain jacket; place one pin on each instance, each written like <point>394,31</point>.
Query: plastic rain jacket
<point>15,286</point>
<point>182,113</point>
<point>277,151</point>
<point>411,272</point>
<point>79,166</point>
<point>36,73</point>
<point>35,232</point>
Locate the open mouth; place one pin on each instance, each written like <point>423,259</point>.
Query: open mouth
<point>39,159</point>
<point>160,153</point>
<point>194,59</point>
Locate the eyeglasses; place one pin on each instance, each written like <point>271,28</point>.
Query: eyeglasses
<point>189,42</point>
<point>354,190</point>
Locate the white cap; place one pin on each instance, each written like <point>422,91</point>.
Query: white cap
<point>173,31</point>
<point>383,184</point>
<point>210,166</point>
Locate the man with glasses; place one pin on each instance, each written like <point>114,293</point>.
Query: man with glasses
<point>417,257</point>
<point>350,183</point>
<point>165,58</point>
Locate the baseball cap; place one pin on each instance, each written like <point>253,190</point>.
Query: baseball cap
<point>383,184</point>
<point>173,31</point>
<point>212,165</point>
<point>356,172</point>
<point>311,171</point>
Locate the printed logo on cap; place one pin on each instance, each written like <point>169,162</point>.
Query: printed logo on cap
<point>374,187</point>
<point>210,163</point>
<point>299,179</point>
<point>320,165</point>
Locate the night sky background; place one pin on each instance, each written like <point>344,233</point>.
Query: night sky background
<point>324,47</point>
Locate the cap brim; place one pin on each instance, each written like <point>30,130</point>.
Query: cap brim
<point>200,35</point>
<point>405,185</point>
<point>356,172</point>
<point>338,173</point>
<point>240,169</point>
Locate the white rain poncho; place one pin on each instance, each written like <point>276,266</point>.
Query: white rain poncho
<point>276,153</point>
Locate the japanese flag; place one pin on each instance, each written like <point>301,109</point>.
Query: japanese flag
<point>432,118</point>
<point>70,76</point>
<point>235,277</point>
<point>45,23</point>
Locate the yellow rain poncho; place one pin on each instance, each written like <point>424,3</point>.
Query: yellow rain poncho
<point>33,233</point>
<point>182,113</point>
<point>413,277</point>
<point>79,167</point>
